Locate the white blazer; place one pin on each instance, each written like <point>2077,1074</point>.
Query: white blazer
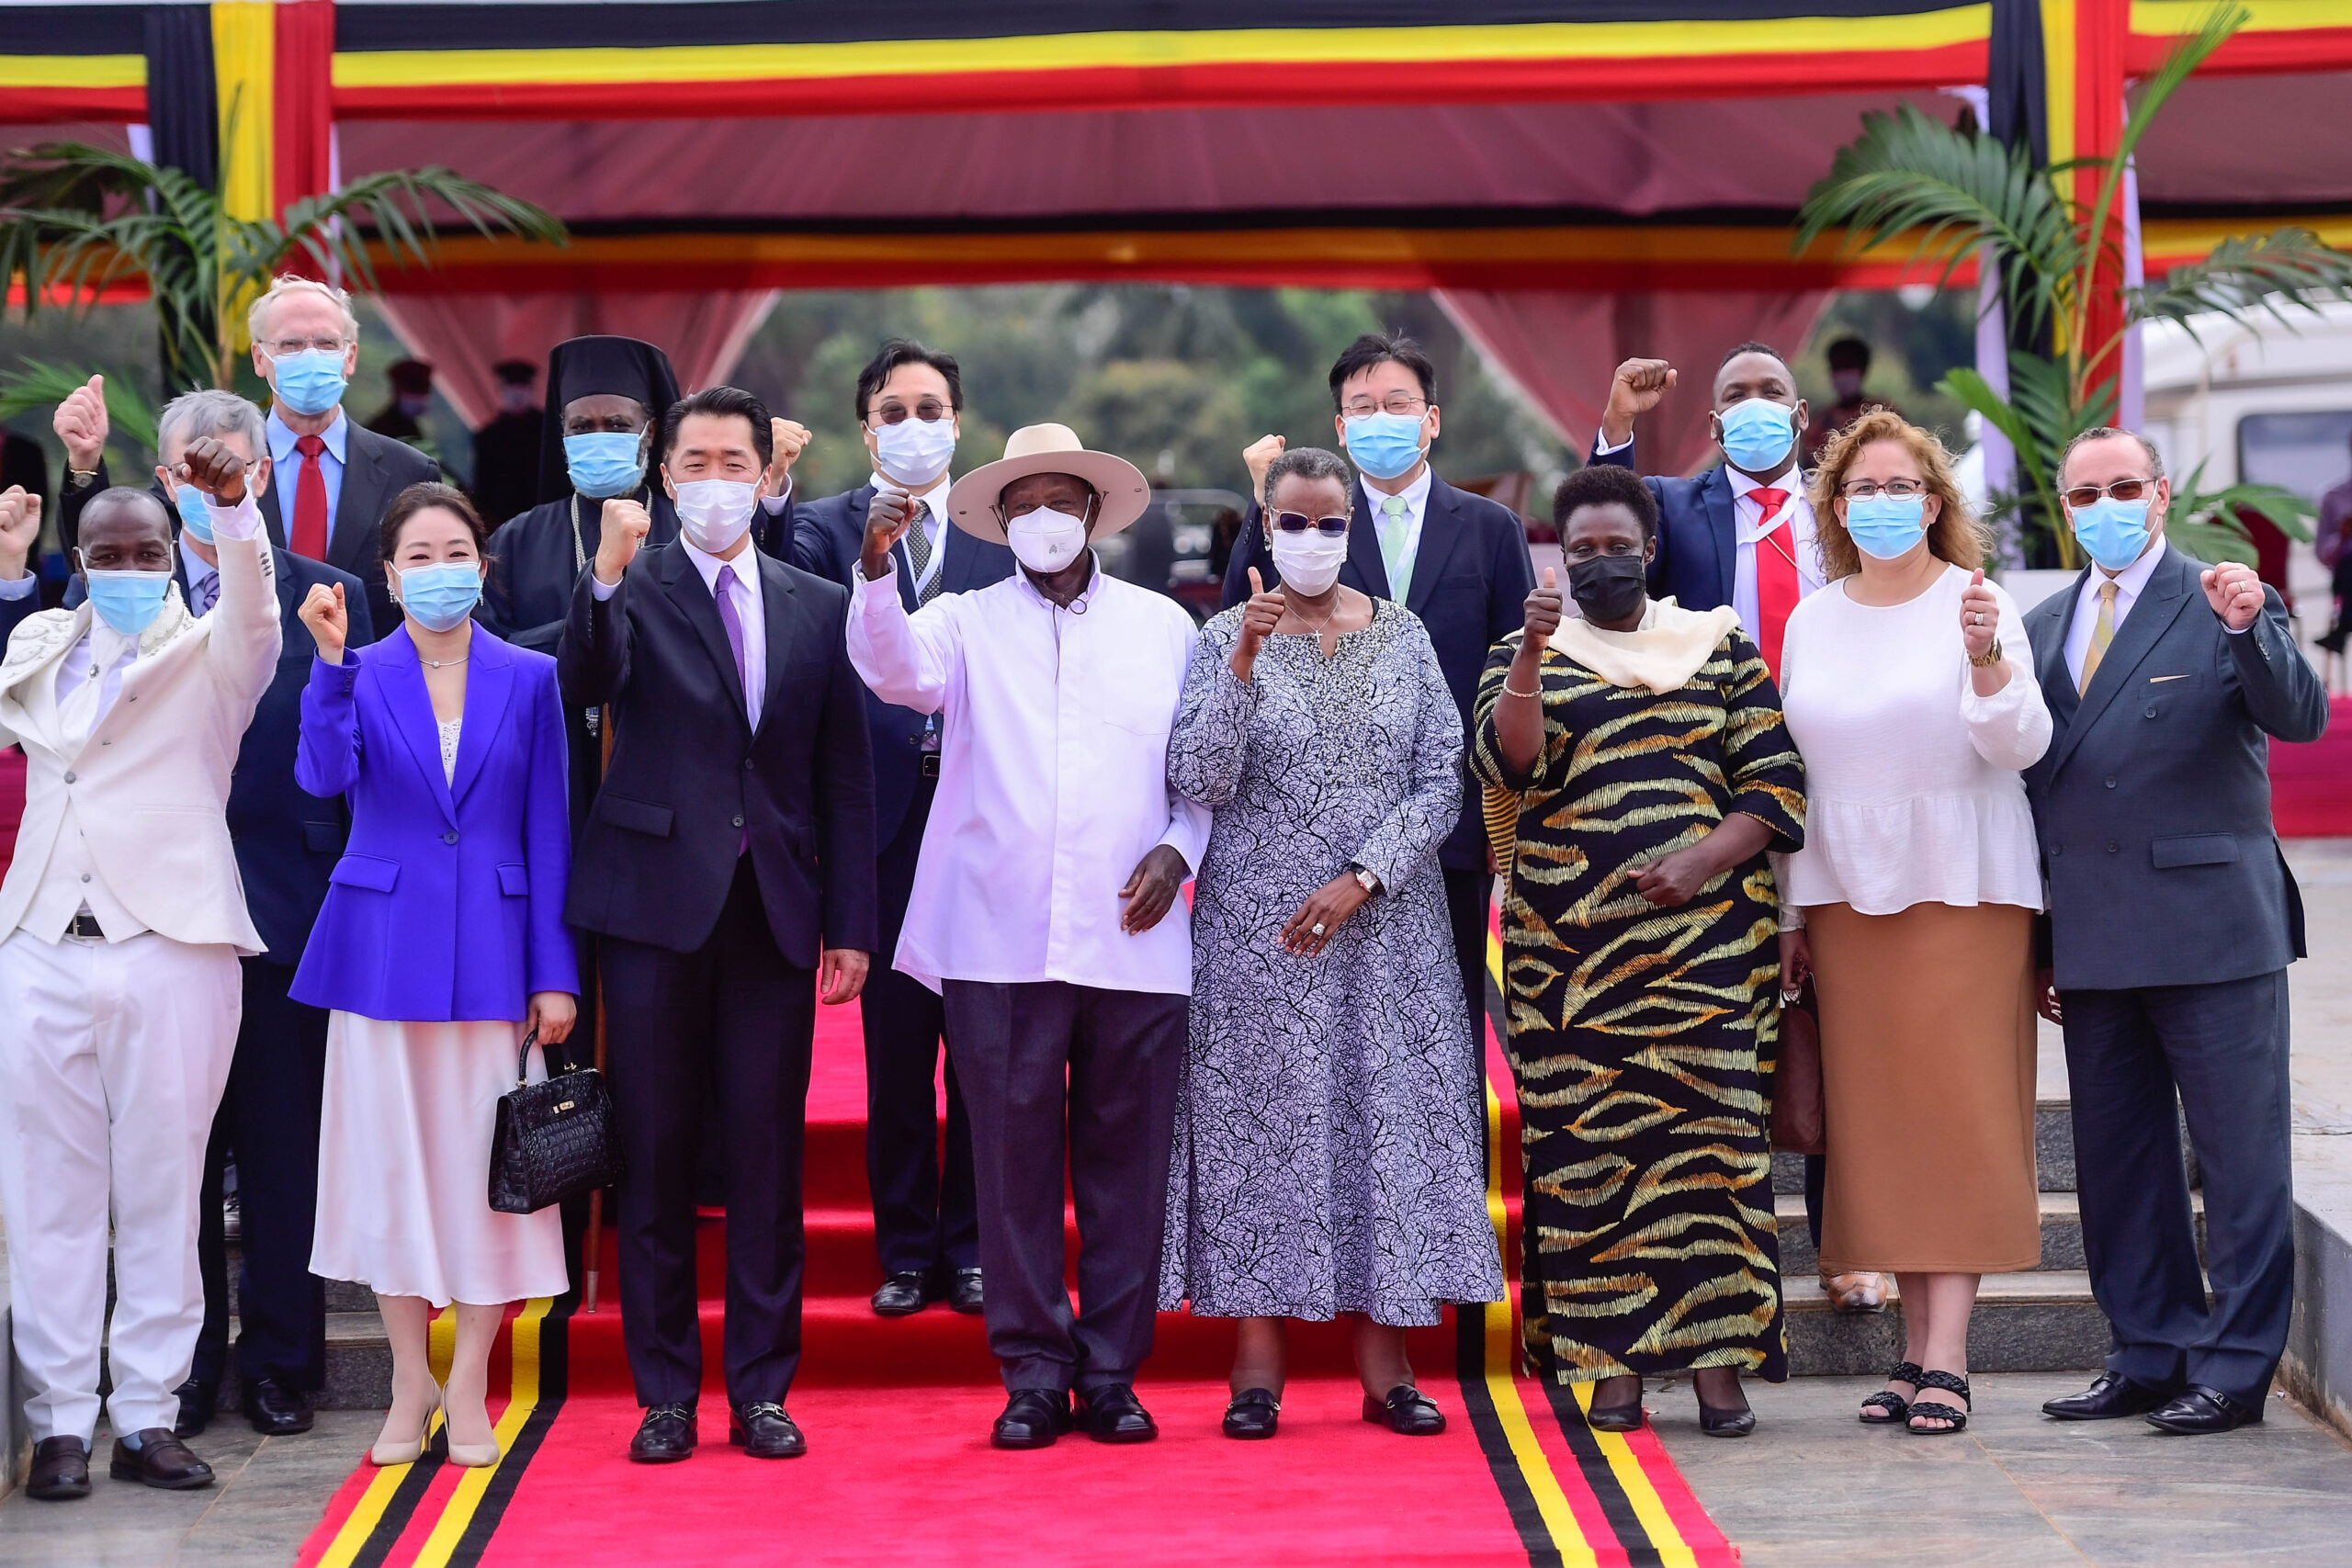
<point>150,782</point>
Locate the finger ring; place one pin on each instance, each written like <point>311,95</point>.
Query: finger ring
<point>1789,999</point>
<point>1317,928</point>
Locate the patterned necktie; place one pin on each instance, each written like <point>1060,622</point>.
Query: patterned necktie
<point>1777,588</point>
<point>2102,633</point>
<point>1394,527</point>
<point>309,536</point>
<point>918,552</point>
<point>207,593</point>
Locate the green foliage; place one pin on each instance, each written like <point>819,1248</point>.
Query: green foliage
<point>41,385</point>
<point>2209,526</point>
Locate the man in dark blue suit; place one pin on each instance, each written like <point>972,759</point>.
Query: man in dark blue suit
<point>286,844</point>
<point>1457,560</point>
<point>926,1219</point>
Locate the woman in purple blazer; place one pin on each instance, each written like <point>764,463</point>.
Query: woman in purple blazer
<point>442,940</point>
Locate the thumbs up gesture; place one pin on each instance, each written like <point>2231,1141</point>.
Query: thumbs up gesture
<point>1259,618</point>
<point>1980,616</point>
<point>80,425</point>
<point>1544,607</point>
<point>330,621</point>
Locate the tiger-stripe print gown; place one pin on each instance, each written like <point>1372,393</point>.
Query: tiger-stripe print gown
<point>1642,1038</point>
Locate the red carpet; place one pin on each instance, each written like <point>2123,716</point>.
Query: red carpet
<point>900,1469</point>
<point>2311,787</point>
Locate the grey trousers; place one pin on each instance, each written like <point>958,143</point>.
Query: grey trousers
<point>1034,1059</point>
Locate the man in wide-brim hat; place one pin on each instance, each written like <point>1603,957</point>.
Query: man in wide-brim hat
<point>1055,849</point>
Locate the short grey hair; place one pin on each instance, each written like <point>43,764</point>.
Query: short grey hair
<point>287,283</point>
<point>2107,433</point>
<point>1305,463</point>
<point>211,412</point>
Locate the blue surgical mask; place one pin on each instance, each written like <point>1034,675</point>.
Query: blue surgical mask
<point>605,463</point>
<point>128,601</point>
<point>1384,446</point>
<point>2112,532</point>
<point>193,515</point>
<point>1886,526</point>
<point>1758,434</point>
<point>441,595</point>
<point>310,382</point>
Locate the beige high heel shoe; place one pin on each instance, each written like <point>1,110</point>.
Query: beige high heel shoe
<point>384,1455</point>
<point>470,1456</point>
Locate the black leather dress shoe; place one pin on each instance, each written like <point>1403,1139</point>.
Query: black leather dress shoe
<point>1719,1421</point>
<point>665,1434</point>
<point>1252,1414</point>
<point>160,1460</point>
<point>1113,1414</point>
<point>60,1470</point>
<point>1033,1419</point>
<point>764,1431</point>
<point>198,1401</point>
<point>903,1294</point>
<point>1406,1411</point>
<point>2200,1410</point>
<point>964,1291</point>
<point>2111,1395</point>
<point>276,1409</point>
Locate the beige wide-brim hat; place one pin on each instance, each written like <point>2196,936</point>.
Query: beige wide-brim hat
<point>1048,449</point>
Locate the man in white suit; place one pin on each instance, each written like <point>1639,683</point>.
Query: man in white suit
<point>123,919</point>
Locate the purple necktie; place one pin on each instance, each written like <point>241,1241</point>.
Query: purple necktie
<point>732,619</point>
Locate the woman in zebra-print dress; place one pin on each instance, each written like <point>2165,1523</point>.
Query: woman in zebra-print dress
<point>1646,750</point>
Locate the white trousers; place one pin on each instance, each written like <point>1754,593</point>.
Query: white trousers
<point>113,1057</point>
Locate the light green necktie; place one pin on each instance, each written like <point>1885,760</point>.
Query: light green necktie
<point>1394,527</point>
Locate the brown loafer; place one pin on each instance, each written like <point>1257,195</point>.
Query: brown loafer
<point>60,1470</point>
<point>160,1460</point>
<point>1860,1291</point>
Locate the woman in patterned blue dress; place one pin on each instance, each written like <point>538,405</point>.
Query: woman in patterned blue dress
<point>1328,1157</point>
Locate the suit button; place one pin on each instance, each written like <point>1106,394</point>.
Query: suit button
<point>747,764</point>
<point>450,837</point>
<point>2149,712</point>
<point>738,822</point>
<point>69,778</point>
<point>2111,781</point>
<point>85,877</point>
<point>2111,846</point>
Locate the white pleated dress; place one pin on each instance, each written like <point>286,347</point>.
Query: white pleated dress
<point>404,1159</point>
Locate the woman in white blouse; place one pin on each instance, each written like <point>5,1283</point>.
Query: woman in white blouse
<point>1912,903</point>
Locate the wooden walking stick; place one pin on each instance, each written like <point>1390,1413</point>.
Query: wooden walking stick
<point>592,1266</point>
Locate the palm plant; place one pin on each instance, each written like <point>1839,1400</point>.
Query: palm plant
<point>77,219</point>
<point>1953,194</point>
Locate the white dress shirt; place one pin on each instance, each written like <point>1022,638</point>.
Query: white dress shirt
<point>286,466</point>
<point>2130,583</point>
<point>935,524</point>
<point>745,594</point>
<point>1416,497</point>
<point>1749,531</point>
<point>1053,779</point>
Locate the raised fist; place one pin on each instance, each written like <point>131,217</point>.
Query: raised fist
<point>1636,389</point>
<point>330,622</point>
<point>212,467</point>
<point>80,425</point>
<point>2235,593</point>
<point>20,530</point>
<point>625,527</point>
<point>790,438</point>
<point>885,524</point>
<point>1260,455</point>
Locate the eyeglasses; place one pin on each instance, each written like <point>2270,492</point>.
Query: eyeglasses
<point>1299,523</point>
<point>1862,490</point>
<point>286,345</point>
<point>2080,496</point>
<point>896,413</point>
<point>1404,403</point>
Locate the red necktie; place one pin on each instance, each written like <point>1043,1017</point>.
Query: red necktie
<point>310,537</point>
<point>1777,589</point>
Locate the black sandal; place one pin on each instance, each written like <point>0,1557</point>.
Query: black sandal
<point>1934,1411</point>
<point>1886,1399</point>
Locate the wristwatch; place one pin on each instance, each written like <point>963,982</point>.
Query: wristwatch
<point>1989,658</point>
<point>1365,880</point>
<point>80,478</point>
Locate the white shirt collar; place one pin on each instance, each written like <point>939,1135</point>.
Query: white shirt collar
<point>1416,495</point>
<point>1076,606</point>
<point>745,562</point>
<point>1742,486</point>
<point>2133,579</point>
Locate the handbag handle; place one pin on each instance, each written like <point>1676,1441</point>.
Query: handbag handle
<point>523,1057</point>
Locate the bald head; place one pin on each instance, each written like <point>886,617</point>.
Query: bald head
<point>125,530</point>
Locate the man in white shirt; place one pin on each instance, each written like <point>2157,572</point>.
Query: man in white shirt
<point>125,919</point>
<point>910,401</point>
<point>1054,851</point>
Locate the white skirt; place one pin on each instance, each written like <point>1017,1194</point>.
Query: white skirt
<point>404,1166</point>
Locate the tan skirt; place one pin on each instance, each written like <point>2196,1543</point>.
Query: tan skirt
<point>1928,1078</point>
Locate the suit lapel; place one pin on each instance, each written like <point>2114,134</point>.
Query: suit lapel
<point>267,501</point>
<point>777,603</point>
<point>2152,615</point>
<point>33,684</point>
<point>1723,526</point>
<point>359,504</point>
<point>490,684</point>
<point>1364,543</point>
<point>2058,692</point>
<point>412,705</point>
<point>1441,535</point>
<point>683,581</point>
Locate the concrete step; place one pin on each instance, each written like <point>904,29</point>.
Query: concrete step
<point>2040,1321</point>
<point>343,1295</point>
<point>2062,1232</point>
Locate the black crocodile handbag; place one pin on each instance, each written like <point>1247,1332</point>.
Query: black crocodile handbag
<point>553,1140</point>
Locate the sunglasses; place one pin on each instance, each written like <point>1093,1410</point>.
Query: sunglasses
<point>2081,496</point>
<point>1299,523</point>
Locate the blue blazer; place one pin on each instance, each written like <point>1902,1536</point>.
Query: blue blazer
<point>1470,582</point>
<point>828,538</point>
<point>448,904</point>
<point>1697,533</point>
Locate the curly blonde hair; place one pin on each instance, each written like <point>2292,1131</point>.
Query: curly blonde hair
<point>1955,536</point>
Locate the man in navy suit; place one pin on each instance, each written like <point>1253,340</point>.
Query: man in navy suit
<point>286,844</point>
<point>1457,560</point>
<point>1741,533</point>
<point>926,1219</point>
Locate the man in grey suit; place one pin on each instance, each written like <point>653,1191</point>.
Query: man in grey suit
<point>2173,918</point>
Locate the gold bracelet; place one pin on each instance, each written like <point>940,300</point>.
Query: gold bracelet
<point>1511,691</point>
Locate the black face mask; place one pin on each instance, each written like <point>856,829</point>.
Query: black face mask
<point>1608,588</point>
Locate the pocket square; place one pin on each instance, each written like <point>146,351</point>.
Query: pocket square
<point>2159,680</point>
